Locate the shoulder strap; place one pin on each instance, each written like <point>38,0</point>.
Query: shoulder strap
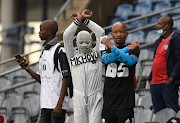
<point>56,58</point>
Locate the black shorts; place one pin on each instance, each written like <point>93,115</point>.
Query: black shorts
<point>118,116</point>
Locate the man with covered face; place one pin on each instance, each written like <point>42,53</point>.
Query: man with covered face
<point>86,68</point>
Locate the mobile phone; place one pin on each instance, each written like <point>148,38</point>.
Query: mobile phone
<point>17,56</point>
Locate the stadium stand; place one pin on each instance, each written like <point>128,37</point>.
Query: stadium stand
<point>143,116</point>
<point>164,115</point>
<point>22,103</point>
<point>124,10</point>
<point>138,36</point>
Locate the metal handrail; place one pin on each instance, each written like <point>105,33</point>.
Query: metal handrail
<point>20,23</point>
<point>142,17</point>
<point>63,9</point>
<point>18,85</point>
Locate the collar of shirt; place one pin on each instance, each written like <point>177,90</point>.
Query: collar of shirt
<point>51,43</point>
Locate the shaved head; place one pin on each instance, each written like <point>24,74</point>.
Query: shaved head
<point>167,20</point>
<point>119,33</point>
<point>50,25</point>
<point>119,24</point>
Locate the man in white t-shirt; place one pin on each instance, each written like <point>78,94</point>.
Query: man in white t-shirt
<point>54,81</point>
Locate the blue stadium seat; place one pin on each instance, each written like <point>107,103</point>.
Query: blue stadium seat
<point>116,19</point>
<point>176,23</point>
<point>138,36</point>
<point>162,6</point>
<point>124,10</point>
<point>167,1</point>
<point>135,24</point>
<point>152,36</point>
<point>154,19</point>
<point>143,9</point>
<point>177,10</point>
<point>146,1</point>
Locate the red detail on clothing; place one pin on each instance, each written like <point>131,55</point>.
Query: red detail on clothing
<point>159,70</point>
<point>1,119</point>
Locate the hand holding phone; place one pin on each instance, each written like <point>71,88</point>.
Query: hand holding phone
<point>17,56</point>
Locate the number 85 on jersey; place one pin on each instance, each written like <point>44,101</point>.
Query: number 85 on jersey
<point>114,70</point>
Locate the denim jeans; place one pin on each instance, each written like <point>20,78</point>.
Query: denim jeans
<point>47,116</point>
<point>164,96</point>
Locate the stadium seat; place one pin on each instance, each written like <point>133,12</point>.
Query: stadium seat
<point>15,101</point>
<point>177,10</point>
<point>162,6</point>
<point>167,1</point>
<point>142,92</point>
<point>152,36</point>
<point>124,10</point>
<point>138,108</point>
<point>146,71</point>
<point>19,80</point>
<point>11,93</point>
<point>154,19</point>
<point>28,94</point>
<point>138,36</point>
<point>176,23</point>
<point>135,24</point>
<point>143,116</point>
<point>20,115</point>
<point>37,87</point>
<point>143,9</point>
<point>116,19</point>
<point>164,115</point>
<point>178,114</point>
<point>146,1</point>
<point>71,107</point>
<point>146,101</point>
<point>136,98</point>
<point>4,113</point>
<point>32,104</point>
<point>71,119</point>
<point>4,83</point>
<point>1,100</point>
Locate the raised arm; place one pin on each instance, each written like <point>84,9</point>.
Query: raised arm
<point>68,35</point>
<point>95,28</point>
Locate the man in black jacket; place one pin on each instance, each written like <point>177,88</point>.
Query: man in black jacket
<point>165,75</point>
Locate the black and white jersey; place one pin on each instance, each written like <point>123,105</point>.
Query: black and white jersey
<point>119,84</point>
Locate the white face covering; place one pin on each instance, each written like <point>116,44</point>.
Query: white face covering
<point>84,42</point>
<point>161,32</point>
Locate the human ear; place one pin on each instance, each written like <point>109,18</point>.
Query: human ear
<point>49,31</point>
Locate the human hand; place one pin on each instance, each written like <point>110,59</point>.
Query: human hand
<point>85,14</point>
<point>107,42</point>
<point>57,111</point>
<point>170,80</point>
<point>133,45</point>
<point>75,15</point>
<point>24,64</point>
